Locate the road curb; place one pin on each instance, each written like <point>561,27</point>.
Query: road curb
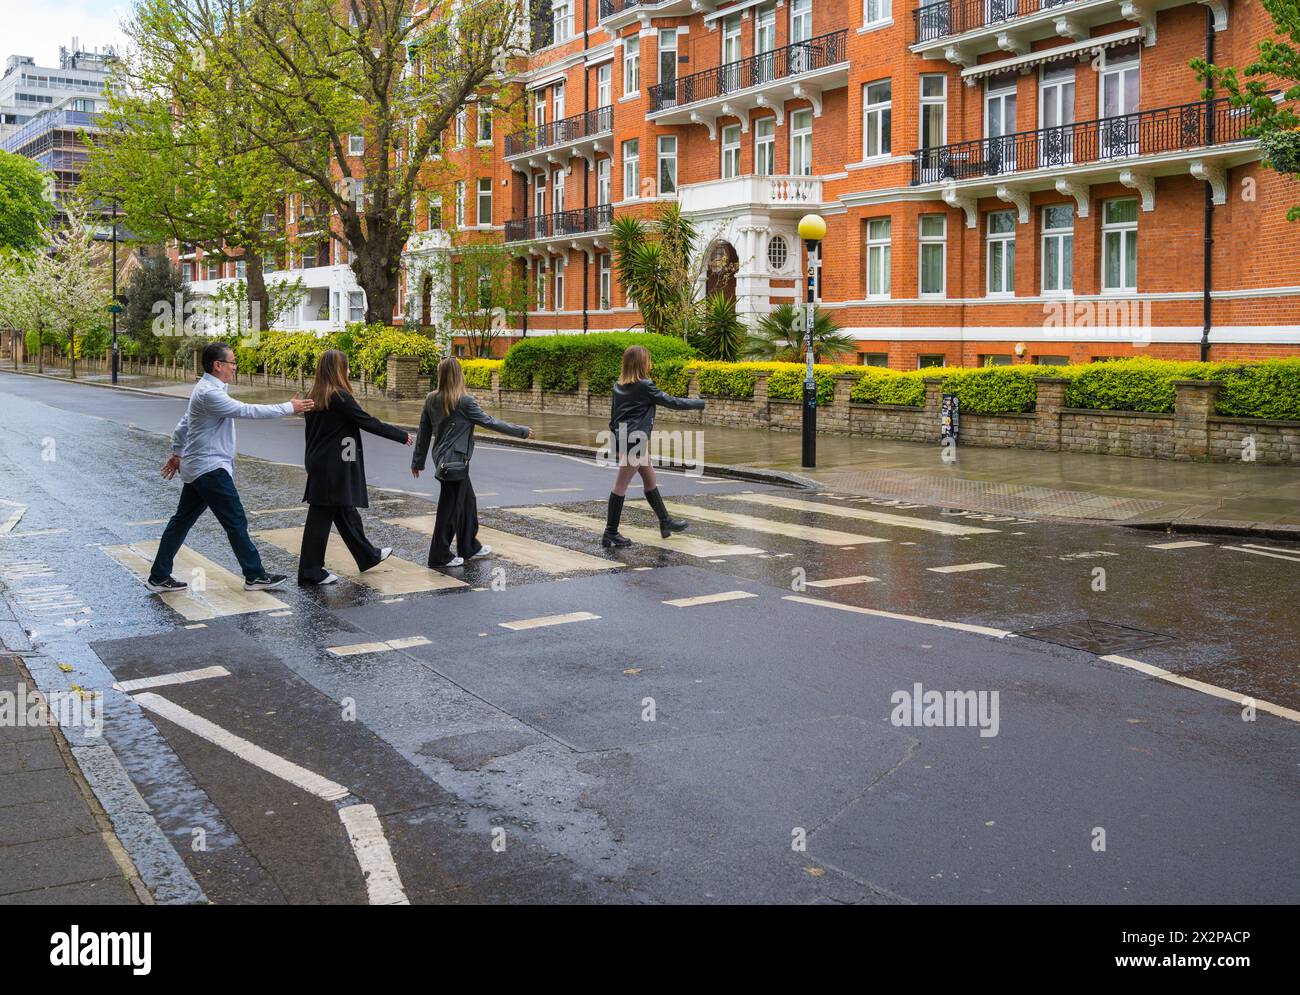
<point>1212,526</point>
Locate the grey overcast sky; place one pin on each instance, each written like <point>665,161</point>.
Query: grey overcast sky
<point>38,27</point>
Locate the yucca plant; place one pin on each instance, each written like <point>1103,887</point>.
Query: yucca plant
<point>781,336</point>
<point>653,261</point>
<point>719,332</point>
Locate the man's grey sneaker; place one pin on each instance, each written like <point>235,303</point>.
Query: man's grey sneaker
<point>166,585</point>
<point>455,561</point>
<point>271,582</point>
<point>483,551</point>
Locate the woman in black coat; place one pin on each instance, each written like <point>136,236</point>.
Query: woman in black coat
<point>448,420</point>
<point>631,424</point>
<point>336,471</point>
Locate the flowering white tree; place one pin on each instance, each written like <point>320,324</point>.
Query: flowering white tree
<point>74,275</point>
<point>24,306</point>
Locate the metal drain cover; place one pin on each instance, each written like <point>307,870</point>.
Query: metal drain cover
<point>1101,638</point>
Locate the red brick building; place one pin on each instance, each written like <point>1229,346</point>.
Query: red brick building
<point>1003,180</point>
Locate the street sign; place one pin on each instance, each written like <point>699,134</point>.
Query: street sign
<point>115,308</point>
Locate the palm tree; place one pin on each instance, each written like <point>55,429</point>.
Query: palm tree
<point>781,337</point>
<point>654,266</point>
<point>720,333</point>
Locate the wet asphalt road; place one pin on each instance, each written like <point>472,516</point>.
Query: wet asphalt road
<point>738,750</point>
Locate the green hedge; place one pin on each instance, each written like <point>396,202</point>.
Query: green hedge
<point>478,372</point>
<point>555,362</point>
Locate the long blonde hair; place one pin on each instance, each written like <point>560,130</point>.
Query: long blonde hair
<point>331,378</point>
<point>636,364</point>
<point>451,384</point>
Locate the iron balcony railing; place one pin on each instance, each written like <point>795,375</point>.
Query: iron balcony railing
<point>579,221</point>
<point>1167,129</point>
<point>608,8</point>
<point>953,17</point>
<point>755,70</point>
<point>569,129</point>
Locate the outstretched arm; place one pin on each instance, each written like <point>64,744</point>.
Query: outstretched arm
<point>680,403</point>
<point>368,422</point>
<point>221,404</point>
<point>478,416</point>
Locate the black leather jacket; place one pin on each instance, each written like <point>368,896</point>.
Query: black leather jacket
<point>633,406</point>
<point>454,433</point>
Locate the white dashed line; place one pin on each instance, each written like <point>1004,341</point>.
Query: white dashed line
<point>958,568</point>
<point>842,581</point>
<point>981,630</point>
<point>544,620</point>
<point>1184,544</point>
<point>383,884</point>
<point>1214,690</point>
<point>1271,551</point>
<point>162,680</point>
<point>356,649</point>
<point>710,599</point>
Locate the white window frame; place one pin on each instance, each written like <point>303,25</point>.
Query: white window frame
<point>541,278</point>
<point>557,276</point>
<point>667,154</point>
<point>631,169</point>
<point>483,130</point>
<point>932,241</point>
<point>604,85</point>
<point>765,146</point>
<point>603,183</point>
<point>557,102</point>
<point>798,133</point>
<point>484,189</point>
<point>1065,274</point>
<point>1125,231</point>
<point>356,305</point>
<point>539,194</point>
<point>877,119</point>
<point>1001,245</point>
<point>877,13</point>
<point>879,257</point>
<point>730,165</point>
<point>356,144</point>
<point>631,65</point>
<point>605,283</point>
<point>459,134</point>
<point>940,101</point>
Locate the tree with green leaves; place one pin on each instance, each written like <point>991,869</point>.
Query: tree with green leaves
<point>658,268</point>
<point>781,336</point>
<point>25,206</point>
<point>353,99</point>
<point>487,294</point>
<point>71,279</point>
<point>177,149</point>
<point>156,279</point>
<point>1253,87</point>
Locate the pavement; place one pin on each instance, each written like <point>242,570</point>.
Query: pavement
<point>1244,498</point>
<point>731,715</point>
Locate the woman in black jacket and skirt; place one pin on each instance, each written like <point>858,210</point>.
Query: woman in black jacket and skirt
<point>631,422</point>
<point>336,471</point>
<point>448,420</point>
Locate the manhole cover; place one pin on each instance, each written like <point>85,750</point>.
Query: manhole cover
<point>1101,638</point>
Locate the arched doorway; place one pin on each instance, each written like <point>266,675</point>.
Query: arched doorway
<point>720,269</point>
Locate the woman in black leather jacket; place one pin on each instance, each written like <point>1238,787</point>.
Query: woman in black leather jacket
<point>631,422</point>
<point>448,420</point>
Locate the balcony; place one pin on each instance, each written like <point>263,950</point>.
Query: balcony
<point>771,194</point>
<point>799,70</point>
<point>582,221</point>
<point>551,28</point>
<point>615,14</point>
<point>429,240</point>
<point>577,136</point>
<point>962,30</point>
<point>1203,139</point>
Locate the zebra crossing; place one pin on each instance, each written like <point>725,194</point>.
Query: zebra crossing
<point>557,541</point>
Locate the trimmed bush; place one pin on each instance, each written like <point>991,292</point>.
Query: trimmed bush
<point>372,356</point>
<point>478,372</point>
<point>1270,389</point>
<point>882,386</point>
<point>556,362</point>
<point>289,353</point>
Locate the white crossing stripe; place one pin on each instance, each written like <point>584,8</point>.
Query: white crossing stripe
<point>862,514</point>
<point>1184,544</point>
<point>544,620</point>
<point>710,599</point>
<point>958,568</point>
<point>393,576</point>
<point>276,511</point>
<point>223,592</point>
<point>519,549</point>
<point>356,649</point>
<point>383,884</point>
<point>162,680</point>
<point>14,517</point>
<point>555,490</point>
<point>691,546</point>
<point>810,533</point>
<point>32,534</point>
<point>1278,554</point>
<point>842,581</point>
<point>286,770</point>
<point>981,630</point>
<point>1211,689</point>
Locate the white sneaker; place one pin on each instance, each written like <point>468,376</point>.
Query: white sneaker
<point>455,561</point>
<point>385,553</point>
<point>330,578</point>
<point>485,551</point>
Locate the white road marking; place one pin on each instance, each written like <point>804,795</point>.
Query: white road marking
<point>366,833</point>
<point>1183,544</point>
<point>393,576</point>
<point>32,534</point>
<point>544,620</point>
<point>861,514</point>
<point>958,568</point>
<point>981,630</point>
<point>280,614</point>
<point>162,680</point>
<point>197,625</point>
<point>710,599</point>
<point>842,581</point>
<point>1263,551</point>
<point>356,649</point>
<point>150,521</point>
<point>276,511</point>
<point>1211,689</point>
<point>518,549</point>
<point>691,546</point>
<point>223,592</point>
<point>555,490</point>
<point>286,770</point>
<point>809,533</point>
<point>14,517</point>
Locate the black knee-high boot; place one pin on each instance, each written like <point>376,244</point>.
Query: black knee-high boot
<point>667,524</point>
<point>612,517</point>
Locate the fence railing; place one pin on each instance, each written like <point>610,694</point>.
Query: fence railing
<point>953,17</point>
<point>754,70</point>
<point>576,222</point>
<point>569,129</point>
<point>608,8</point>
<point>1166,129</point>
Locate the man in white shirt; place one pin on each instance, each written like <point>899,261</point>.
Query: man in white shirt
<point>203,451</point>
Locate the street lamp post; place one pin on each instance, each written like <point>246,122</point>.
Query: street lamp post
<point>812,229</point>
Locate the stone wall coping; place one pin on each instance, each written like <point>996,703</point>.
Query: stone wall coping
<point>846,376</point>
<point>1243,420</point>
<point>1203,384</point>
<point>1104,412</point>
<point>932,379</point>
<point>1051,379</point>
